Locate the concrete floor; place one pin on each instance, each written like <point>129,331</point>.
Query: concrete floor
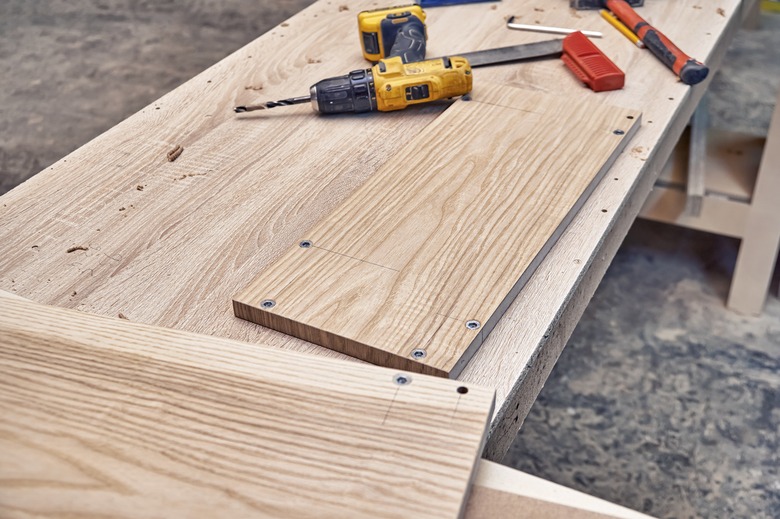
<point>663,401</point>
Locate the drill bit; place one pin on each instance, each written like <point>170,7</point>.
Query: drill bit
<point>273,104</point>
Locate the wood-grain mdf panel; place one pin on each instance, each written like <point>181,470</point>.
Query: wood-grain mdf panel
<point>417,266</point>
<point>101,417</point>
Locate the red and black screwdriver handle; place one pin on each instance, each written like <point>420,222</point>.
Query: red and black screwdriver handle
<point>404,35</point>
<point>687,69</point>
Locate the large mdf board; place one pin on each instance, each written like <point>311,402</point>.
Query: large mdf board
<point>417,266</point>
<point>105,418</point>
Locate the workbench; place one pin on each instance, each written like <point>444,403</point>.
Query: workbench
<point>109,230</point>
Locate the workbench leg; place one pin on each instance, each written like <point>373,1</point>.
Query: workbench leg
<point>697,159</point>
<point>751,17</point>
<point>761,239</point>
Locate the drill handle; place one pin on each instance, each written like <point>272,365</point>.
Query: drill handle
<point>409,42</point>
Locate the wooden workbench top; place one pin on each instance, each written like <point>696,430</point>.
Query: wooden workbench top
<point>115,228</point>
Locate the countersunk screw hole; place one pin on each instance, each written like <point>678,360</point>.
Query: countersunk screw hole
<point>619,132</point>
<point>463,390</point>
<point>419,353</point>
<point>473,324</point>
<point>388,88</point>
<point>305,244</point>
<point>402,380</point>
<point>268,303</point>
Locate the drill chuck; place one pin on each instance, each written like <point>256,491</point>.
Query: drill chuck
<point>354,93</point>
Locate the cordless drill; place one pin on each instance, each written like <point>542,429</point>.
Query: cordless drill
<point>389,85</point>
<point>393,31</point>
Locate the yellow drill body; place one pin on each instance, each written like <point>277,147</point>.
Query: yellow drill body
<point>399,85</point>
<point>389,85</point>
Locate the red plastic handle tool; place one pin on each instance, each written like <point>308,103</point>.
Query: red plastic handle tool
<point>591,65</point>
<point>687,69</point>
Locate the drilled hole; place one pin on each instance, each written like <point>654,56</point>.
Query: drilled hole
<point>463,390</point>
<point>473,324</point>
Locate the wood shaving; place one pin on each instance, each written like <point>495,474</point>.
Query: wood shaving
<point>77,247</point>
<point>174,153</point>
<point>122,316</point>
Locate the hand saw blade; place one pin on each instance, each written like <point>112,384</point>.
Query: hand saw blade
<point>482,58</point>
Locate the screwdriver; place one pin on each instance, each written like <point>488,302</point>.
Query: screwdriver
<point>389,85</point>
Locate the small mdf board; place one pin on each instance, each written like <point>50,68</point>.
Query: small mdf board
<point>418,265</point>
<point>101,417</point>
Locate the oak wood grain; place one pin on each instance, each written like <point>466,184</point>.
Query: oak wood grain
<point>444,235</point>
<point>100,417</point>
<point>186,244</point>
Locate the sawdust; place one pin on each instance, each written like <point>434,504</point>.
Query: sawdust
<point>253,87</point>
<point>77,247</point>
<point>343,8</point>
<point>285,24</point>
<point>697,7</point>
<point>538,9</point>
<point>122,209</point>
<point>139,187</point>
<point>637,152</point>
<point>493,7</point>
<point>312,60</point>
<point>188,175</point>
<point>122,316</point>
<point>721,12</point>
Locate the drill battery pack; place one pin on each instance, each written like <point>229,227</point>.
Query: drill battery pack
<point>401,26</point>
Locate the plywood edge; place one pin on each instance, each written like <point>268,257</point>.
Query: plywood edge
<point>546,248</point>
<point>500,491</point>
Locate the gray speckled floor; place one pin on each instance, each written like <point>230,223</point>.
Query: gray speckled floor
<point>662,401</point>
